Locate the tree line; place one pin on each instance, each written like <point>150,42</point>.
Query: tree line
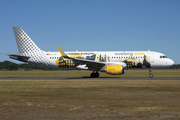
<point>7,65</point>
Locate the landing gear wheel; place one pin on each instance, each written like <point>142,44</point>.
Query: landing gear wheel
<point>93,75</point>
<point>97,74</point>
<point>151,75</point>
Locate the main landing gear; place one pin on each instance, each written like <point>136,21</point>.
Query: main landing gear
<point>150,73</point>
<point>93,75</point>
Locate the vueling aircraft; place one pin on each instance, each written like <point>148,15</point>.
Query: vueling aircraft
<point>111,62</point>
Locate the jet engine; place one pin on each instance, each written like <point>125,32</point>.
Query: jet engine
<point>113,69</point>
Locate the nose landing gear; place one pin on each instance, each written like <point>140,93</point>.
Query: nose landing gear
<point>150,73</point>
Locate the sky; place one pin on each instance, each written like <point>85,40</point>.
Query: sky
<point>93,25</point>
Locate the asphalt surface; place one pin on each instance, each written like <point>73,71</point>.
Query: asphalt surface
<point>88,78</point>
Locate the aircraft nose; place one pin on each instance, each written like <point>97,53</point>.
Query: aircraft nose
<point>171,62</point>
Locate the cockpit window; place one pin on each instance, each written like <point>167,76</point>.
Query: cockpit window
<point>163,57</point>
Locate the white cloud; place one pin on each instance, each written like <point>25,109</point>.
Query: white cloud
<point>3,52</point>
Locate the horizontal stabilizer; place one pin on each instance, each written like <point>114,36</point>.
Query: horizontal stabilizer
<point>19,57</point>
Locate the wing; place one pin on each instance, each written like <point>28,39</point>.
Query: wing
<point>91,64</point>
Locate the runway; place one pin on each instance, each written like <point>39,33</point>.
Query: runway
<point>88,78</point>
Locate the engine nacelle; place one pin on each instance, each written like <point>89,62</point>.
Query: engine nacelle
<point>113,69</point>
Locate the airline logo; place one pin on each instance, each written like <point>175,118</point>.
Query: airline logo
<point>50,54</point>
<point>130,53</point>
<point>139,53</point>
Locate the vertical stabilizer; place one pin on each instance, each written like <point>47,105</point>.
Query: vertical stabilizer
<point>28,48</point>
<point>24,43</point>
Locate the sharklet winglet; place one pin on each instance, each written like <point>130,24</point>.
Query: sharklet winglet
<point>62,53</point>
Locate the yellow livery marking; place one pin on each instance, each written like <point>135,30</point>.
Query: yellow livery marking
<point>22,36</point>
<point>138,53</point>
<point>62,53</point>
<point>113,69</point>
<point>76,55</point>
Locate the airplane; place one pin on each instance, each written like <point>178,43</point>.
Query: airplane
<point>111,62</point>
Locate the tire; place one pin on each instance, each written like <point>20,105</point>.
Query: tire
<point>151,75</point>
<point>92,75</point>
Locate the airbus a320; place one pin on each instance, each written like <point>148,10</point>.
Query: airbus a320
<point>111,62</point>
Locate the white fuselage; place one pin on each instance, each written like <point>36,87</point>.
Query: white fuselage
<point>155,59</point>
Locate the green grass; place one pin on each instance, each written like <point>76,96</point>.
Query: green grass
<point>77,73</point>
<point>89,99</point>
